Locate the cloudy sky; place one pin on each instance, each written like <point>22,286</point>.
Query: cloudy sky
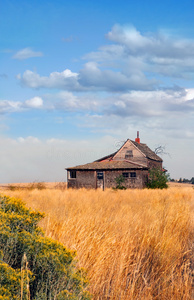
<point>77,78</point>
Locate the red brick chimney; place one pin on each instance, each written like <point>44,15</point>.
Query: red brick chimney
<point>137,138</point>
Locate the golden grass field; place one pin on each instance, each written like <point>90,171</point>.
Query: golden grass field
<point>134,244</point>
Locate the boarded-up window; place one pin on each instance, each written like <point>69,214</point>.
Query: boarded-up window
<point>128,154</point>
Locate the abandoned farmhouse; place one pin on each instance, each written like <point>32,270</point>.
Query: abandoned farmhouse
<point>133,160</point>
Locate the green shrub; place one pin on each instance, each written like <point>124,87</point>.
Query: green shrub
<point>120,180</point>
<point>157,179</point>
<point>9,282</point>
<point>52,268</point>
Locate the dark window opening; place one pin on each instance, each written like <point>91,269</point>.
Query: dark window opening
<point>133,174</point>
<point>73,174</point>
<point>99,175</point>
<point>126,175</point>
<point>128,154</point>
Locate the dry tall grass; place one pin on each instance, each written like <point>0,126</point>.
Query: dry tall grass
<point>135,244</point>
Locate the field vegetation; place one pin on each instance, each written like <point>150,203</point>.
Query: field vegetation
<point>33,266</point>
<point>134,244</point>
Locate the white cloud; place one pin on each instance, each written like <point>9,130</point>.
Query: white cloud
<point>90,78</point>
<point>67,101</point>
<point>35,102</point>
<point>134,104</point>
<point>158,103</point>
<point>189,94</point>
<point>158,44</point>
<point>28,140</point>
<point>7,106</point>
<point>112,52</point>
<point>130,37</point>
<point>134,61</point>
<point>156,53</point>
<point>59,80</point>
<point>27,53</point>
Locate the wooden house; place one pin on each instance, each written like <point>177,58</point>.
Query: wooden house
<point>133,160</point>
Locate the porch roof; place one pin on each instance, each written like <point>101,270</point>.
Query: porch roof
<point>108,165</point>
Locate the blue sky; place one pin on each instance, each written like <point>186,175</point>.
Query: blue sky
<point>79,77</point>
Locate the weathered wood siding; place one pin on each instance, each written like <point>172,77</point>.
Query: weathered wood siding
<point>138,157</point>
<point>138,182</point>
<point>87,179</point>
<point>154,164</point>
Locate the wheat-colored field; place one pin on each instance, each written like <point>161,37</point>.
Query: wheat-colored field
<point>134,244</point>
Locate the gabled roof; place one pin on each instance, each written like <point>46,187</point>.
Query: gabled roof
<point>108,165</point>
<point>108,162</point>
<point>110,156</point>
<point>142,147</point>
<point>147,151</point>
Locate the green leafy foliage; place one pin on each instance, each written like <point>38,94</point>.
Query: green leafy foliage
<point>52,268</point>
<point>120,180</point>
<point>157,179</point>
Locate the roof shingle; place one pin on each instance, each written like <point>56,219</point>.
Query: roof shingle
<point>147,151</point>
<point>107,165</point>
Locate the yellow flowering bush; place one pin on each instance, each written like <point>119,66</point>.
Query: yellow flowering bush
<point>9,282</point>
<point>52,267</point>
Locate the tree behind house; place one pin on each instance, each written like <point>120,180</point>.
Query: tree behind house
<point>157,179</point>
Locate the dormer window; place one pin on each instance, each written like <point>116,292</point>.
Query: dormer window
<point>128,154</point>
